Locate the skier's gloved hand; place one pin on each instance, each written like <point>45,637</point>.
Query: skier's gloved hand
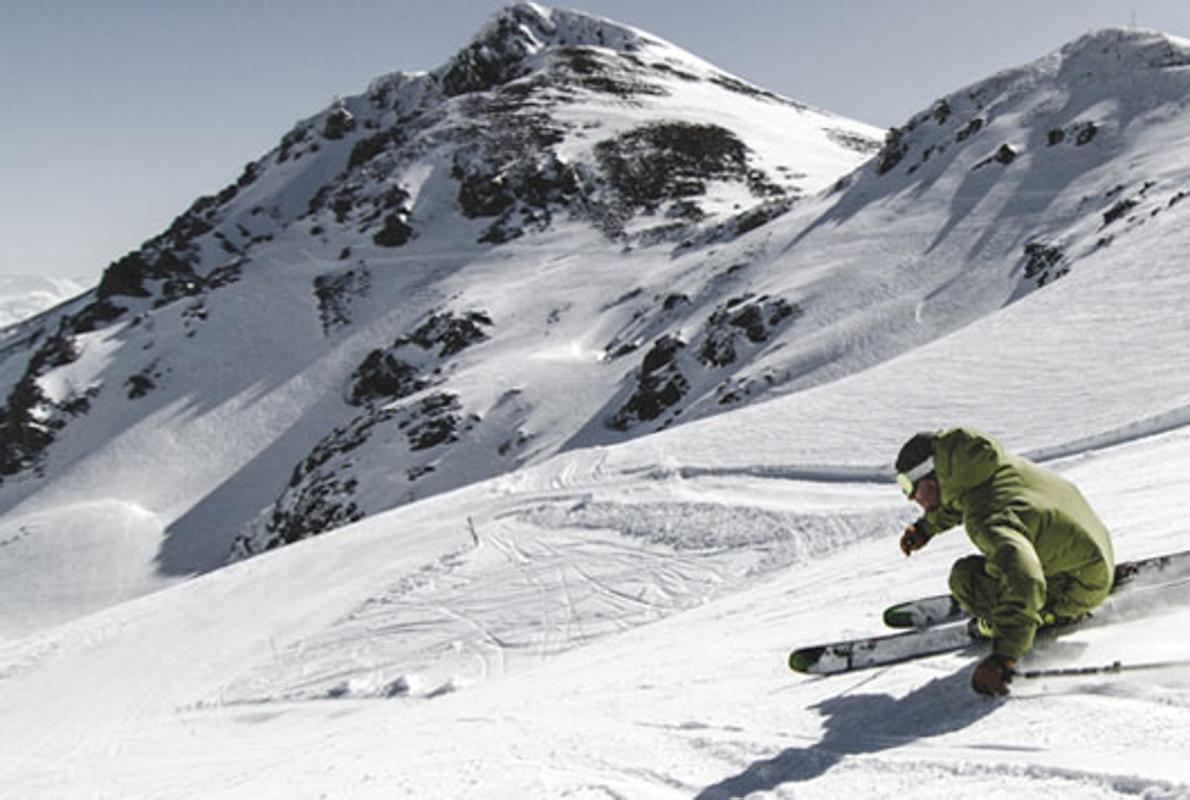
<point>914,538</point>
<point>993,675</point>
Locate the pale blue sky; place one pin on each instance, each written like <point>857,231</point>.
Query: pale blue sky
<point>117,114</point>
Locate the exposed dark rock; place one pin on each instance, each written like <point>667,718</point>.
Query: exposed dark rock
<point>941,111</point>
<point>451,333</point>
<point>290,141</point>
<point>669,161</point>
<point>673,301</point>
<point>403,369</point>
<point>754,319</point>
<point>663,352</point>
<point>497,58</point>
<point>1044,263</point>
<point>1005,155</point>
<point>893,152</point>
<point>669,69</point>
<point>1118,210</point>
<point>252,171</point>
<point>509,170</point>
<point>660,385</point>
<point>395,232</point>
<point>1080,132</point>
<point>29,421</point>
<point>367,149</point>
<point>140,385</point>
<point>1084,133</point>
<point>970,129</point>
<point>482,195</point>
<point>323,499</point>
<point>435,421</point>
<point>383,376</point>
<point>96,315</point>
<point>128,275</point>
<point>339,123</point>
<point>599,71</point>
<point>322,488</point>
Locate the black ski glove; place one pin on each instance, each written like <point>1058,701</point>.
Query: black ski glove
<point>993,675</point>
<point>914,538</point>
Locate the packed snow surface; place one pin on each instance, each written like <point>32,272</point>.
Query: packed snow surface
<point>613,620</point>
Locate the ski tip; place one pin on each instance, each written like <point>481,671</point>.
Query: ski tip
<point>896,617</point>
<point>803,660</point>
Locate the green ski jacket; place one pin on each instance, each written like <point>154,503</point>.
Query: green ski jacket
<point>1045,547</point>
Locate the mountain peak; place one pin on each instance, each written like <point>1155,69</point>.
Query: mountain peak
<point>539,26</point>
<point>504,49</point>
<point>1112,49</point>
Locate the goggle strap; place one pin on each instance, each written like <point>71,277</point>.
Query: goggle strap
<point>920,471</point>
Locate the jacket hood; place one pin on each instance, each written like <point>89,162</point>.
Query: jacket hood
<point>965,458</point>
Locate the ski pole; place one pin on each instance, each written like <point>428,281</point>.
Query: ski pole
<point>1114,667</point>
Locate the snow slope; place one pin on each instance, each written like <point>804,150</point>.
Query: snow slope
<point>442,279</point>
<point>489,643</point>
<point>613,620</point>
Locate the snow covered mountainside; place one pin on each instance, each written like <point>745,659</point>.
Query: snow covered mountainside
<point>691,420</point>
<point>449,276</point>
<point>571,234</point>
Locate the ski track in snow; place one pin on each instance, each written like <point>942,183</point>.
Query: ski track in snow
<point>542,576</point>
<point>577,591</point>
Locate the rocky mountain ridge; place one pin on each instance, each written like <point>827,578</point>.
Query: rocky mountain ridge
<point>549,119</point>
<point>571,234</point>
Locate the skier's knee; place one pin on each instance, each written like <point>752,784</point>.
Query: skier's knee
<point>965,576</point>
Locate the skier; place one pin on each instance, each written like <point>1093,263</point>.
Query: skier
<point>1046,557</point>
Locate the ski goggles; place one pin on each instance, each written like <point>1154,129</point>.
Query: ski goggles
<point>908,480</point>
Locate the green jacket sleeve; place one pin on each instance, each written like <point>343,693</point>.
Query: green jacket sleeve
<point>1014,563</point>
<point>940,520</point>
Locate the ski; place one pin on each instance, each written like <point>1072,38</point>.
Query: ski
<point>893,648</point>
<point>941,609</point>
<point>875,651</point>
<point>1136,583</point>
<point>925,612</point>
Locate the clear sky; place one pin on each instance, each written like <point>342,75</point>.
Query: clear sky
<point>117,114</point>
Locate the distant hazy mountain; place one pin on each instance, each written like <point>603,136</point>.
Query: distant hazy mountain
<point>22,296</point>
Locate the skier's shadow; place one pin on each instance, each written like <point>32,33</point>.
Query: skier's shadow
<point>865,723</point>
